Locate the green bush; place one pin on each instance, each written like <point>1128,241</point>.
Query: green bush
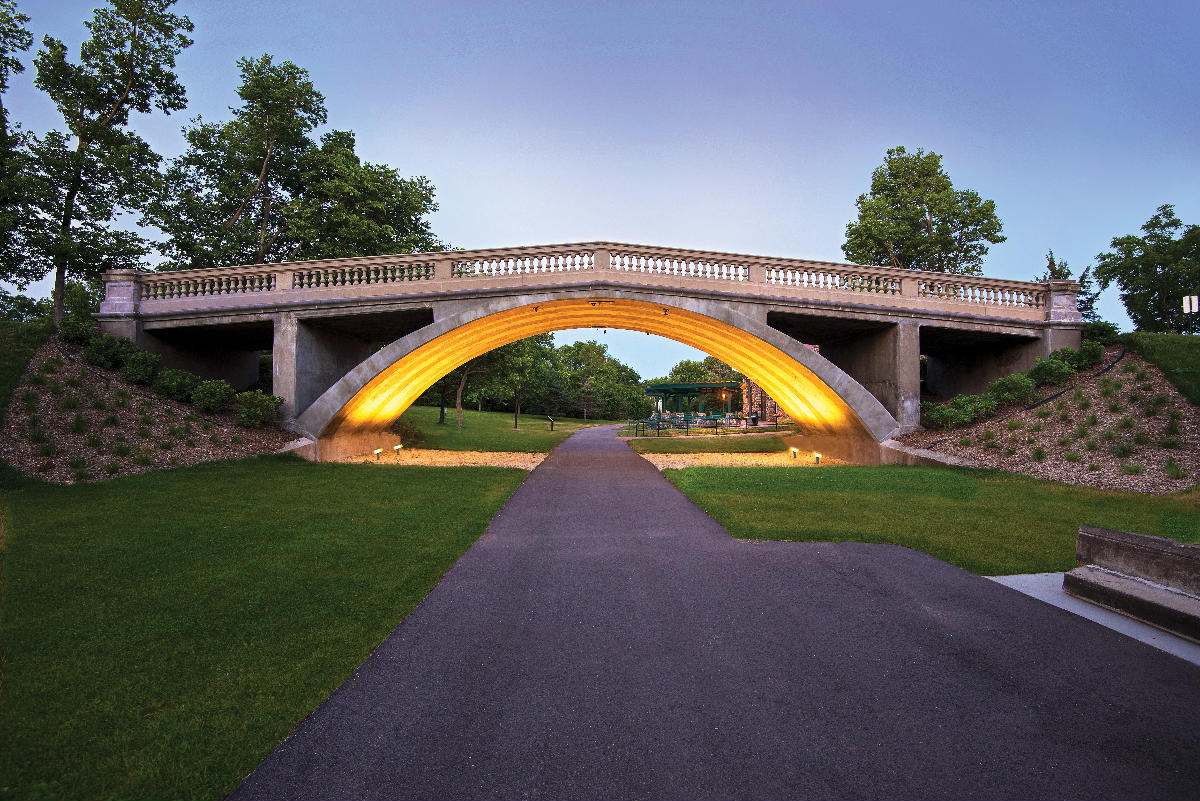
<point>213,396</point>
<point>176,384</point>
<point>1100,331</point>
<point>1090,354</point>
<point>1051,371</point>
<point>1065,355</point>
<point>108,351</point>
<point>1017,388</point>
<point>256,408</point>
<point>140,367</point>
<point>76,330</point>
<point>960,410</point>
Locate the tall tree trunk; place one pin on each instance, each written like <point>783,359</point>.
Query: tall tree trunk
<point>516,409</point>
<point>462,384</point>
<point>442,405</point>
<point>64,234</point>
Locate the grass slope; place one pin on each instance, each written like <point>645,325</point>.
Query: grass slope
<point>163,632</point>
<point>1177,355</point>
<point>490,431</point>
<point>18,341</point>
<point>769,443</point>
<point>990,523</point>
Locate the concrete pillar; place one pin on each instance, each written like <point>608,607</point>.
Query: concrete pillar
<point>307,359</point>
<point>887,362</point>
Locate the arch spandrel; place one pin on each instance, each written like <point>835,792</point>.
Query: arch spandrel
<point>808,387</point>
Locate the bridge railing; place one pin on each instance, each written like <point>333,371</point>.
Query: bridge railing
<point>415,273</point>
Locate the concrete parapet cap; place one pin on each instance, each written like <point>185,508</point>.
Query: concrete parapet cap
<point>1172,564</point>
<point>113,276</point>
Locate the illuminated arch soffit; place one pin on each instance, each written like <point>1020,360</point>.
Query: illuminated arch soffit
<point>806,399</point>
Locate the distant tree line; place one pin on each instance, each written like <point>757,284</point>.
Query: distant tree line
<point>533,376</point>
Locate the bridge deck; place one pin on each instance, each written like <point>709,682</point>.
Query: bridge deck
<point>452,272</point>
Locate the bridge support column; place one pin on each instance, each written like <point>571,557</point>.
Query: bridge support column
<point>307,359</point>
<point>887,362</point>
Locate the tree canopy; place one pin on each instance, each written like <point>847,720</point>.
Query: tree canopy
<point>99,167</point>
<point>1088,293</point>
<point>257,188</point>
<point>1154,271</point>
<point>913,218</point>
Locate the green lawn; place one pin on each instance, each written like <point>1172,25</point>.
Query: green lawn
<point>491,431</point>
<point>163,632</point>
<point>1177,355</point>
<point>767,443</point>
<point>18,341</point>
<point>988,523</point>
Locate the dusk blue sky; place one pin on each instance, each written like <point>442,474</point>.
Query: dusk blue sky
<point>747,127</point>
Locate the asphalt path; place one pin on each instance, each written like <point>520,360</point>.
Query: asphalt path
<point>607,639</point>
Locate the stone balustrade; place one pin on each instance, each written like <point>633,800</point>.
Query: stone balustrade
<point>763,277</point>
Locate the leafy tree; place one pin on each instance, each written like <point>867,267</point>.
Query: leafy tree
<point>520,364</point>
<point>227,195</point>
<point>14,39</point>
<point>913,218</point>
<point>1088,293</point>
<point>258,189</point>
<point>99,167</point>
<point>347,207</point>
<point>1154,271</point>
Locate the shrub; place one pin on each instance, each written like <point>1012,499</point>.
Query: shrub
<point>112,468</point>
<point>1122,450</point>
<point>1051,371</point>
<point>1064,355</point>
<point>51,365</point>
<point>1102,332</point>
<point>1017,388</point>
<point>410,437</point>
<point>1169,443</point>
<point>1132,469</point>
<point>1091,445</point>
<point>1090,354</point>
<point>76,330</point>
<point>256,408</point>
<point>213,396</point>
<point>1071,456</point>
<point>1173,469</point>
<point>108,351</point>
<point>958,411</point>
<point>1039,454</point>
<point>79,424</point>
<point>140,367</point>
<point>176,384</point>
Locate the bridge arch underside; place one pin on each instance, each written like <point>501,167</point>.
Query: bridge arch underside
<point>355,414</point>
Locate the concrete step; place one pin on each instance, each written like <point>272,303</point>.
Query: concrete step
<point>1166,608</point>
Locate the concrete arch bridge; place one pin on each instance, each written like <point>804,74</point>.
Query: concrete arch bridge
<point>322,321</point>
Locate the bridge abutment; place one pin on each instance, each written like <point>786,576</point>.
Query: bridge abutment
<point>887,362</point>
<point>307,359</point>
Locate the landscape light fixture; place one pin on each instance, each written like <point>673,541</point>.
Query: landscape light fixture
<point>377,452</point>
<point>397,448</point>
<point>794,452</point>
<point>818,457</point>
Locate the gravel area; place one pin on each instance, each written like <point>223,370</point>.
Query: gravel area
<point>1124,429</point>
<point>436,458</point>
<point>678,461</point>
<point>78,422</point>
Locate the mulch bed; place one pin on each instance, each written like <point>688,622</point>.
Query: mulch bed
<point>1126,442</point>
<point>90,425</point>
